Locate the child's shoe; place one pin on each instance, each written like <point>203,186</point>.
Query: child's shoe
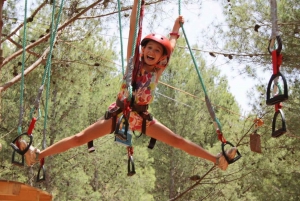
<point>221,160</point>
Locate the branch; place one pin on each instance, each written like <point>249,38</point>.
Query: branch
<point>124,9</point>
<point>28,70</point>
<point>193,186</point>
<point>21,25</point>
<point>8,59</point>
<point>20,46</point>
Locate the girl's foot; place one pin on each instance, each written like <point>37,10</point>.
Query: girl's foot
<point>31,156</point>
<point>221,160</point>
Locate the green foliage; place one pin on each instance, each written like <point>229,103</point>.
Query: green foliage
<point>85,79</point>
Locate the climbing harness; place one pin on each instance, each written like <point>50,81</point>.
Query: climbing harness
<point>279,94</point>
<point>211,111</point>
<point>47,73</point>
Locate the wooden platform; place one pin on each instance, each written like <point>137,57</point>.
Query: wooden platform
<point>12,190</point>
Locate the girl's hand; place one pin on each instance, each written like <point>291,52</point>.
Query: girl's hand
<point>180,19</point>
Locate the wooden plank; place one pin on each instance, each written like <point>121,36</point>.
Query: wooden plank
<point>11,190</point>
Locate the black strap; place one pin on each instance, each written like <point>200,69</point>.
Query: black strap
<point>152,143</point>
<point>147,116</point>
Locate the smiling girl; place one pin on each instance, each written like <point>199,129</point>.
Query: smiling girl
<point>154,57</point>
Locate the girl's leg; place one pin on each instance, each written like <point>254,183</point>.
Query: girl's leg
<point>96,130</point>
<point>164,134</point>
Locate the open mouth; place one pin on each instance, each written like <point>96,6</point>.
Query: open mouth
<point>150,58</point>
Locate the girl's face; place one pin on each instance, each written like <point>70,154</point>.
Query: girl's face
<point>152,52</point>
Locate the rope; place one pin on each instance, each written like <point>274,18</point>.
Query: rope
<point>48,65</point>
<point>275,29</point>
<point>217,124</point>
<point>22,72</point>
<point>136,28</point>
<point>132,65</point>
<point>121,41</point>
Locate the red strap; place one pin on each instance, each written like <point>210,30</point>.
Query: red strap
<point>31,126</point>
<point>278,106</point>
<point>42,162</point>
<point>130,151</point>
<point>126,108</point>
<point>221,137</point>
<point>276,61</point>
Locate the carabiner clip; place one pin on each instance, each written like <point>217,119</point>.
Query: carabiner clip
<point>282,130</point>
<point>226,157</point>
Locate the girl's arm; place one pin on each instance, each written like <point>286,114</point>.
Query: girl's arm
<point>175,31</point>
<point>132,29</point>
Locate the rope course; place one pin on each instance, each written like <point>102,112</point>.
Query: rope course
<point>274,99</point>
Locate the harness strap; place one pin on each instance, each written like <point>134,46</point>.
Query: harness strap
<point>113,115</point>
<point>147,116</point>
<point>142,111</point>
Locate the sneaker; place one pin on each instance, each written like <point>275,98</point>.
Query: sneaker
<point>31,156</point>
<point>221,160</point>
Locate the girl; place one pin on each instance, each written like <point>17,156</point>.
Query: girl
<point>155,54</point>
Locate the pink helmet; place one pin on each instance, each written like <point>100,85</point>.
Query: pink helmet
<point>161,40</point>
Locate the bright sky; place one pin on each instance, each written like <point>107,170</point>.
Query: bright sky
<point>212,11</point>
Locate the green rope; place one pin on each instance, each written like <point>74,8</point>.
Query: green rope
<point>217,124</point>
<point>136,28</point>
<point>22,71</point>
<point>121,41</point>
<point>129,88</point>
<point>48,64</point>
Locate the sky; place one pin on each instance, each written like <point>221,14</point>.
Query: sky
<point>194,25</point>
